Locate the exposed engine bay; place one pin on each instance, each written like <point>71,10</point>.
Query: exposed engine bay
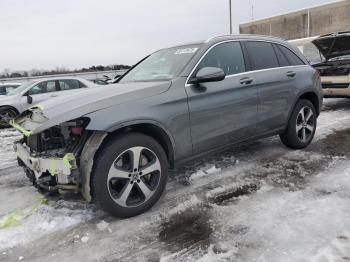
<point>334,68</point>
<point>53,151</point>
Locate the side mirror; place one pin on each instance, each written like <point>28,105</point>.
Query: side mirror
<point>209,74</point>
<point>29,99</point>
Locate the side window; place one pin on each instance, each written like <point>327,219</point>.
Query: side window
<point>292,58</point>
<point>68,84</point>
<point>227,56</point>
<point>10,88</point>
<point>262,55</point>
<point>82,85</point>
<point>43,87</point>
<point>51,86</point>
<point>282,60</point>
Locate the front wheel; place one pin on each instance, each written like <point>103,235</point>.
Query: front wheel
<point>301,126</point>
<point>5,116</point>
<point>129,175</point>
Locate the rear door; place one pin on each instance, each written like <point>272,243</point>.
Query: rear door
<point>67,86</point>
<point>224,111</point>
<point>276,84</point>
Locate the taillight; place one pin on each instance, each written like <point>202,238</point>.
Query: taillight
<point>318,74</point>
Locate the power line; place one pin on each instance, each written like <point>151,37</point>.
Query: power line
<point>230,11</point>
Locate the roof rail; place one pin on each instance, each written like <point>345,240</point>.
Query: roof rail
<point>221,36</point>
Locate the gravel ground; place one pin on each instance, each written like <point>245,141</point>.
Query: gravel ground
<point>255,202</point>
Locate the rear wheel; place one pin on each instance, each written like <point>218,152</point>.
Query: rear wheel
<point>129,175</point>
<point>6,115</point>
<point>301,127</point>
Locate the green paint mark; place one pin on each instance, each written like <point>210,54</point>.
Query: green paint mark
<point>41,107</point>
<point>12,219</point>
<point>69,161</point>
<point>19,128</point>
<point>53,167</point>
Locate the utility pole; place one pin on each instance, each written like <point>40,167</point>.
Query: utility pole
<point>230,6</point>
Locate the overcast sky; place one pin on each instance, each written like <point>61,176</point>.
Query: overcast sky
<point>44,34</point>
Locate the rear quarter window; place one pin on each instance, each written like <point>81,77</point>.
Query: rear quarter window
<point>293,59</point>
<point>261,55</point>
<point>282,59</point>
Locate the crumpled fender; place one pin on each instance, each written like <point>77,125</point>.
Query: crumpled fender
<point>87,161</point>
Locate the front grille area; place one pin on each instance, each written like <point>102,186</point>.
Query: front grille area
<point>34,143</point>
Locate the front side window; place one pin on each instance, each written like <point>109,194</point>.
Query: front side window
<point>43,87</point>
<point>262,55</point>
<point>68,84</point>
<point>163,65</point>
<point>227,56</point>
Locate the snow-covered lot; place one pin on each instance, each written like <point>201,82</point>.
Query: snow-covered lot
<point>256,202</point>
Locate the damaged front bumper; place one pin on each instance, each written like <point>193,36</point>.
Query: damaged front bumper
<point>64,170</point>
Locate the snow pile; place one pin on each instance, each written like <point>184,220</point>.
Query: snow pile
<point>7,154</point>
<point>35,222</point>
<point>204,172</point>
<point>186,205</point>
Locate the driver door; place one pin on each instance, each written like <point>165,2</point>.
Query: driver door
<point>226,111</point>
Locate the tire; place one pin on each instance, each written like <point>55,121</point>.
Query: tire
<point>123,188</point>
<point>7,113</point>
<point>301,126</point>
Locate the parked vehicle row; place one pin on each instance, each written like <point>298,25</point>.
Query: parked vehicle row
<point>30,93</point>
<point>5,88</point>
<point>177,104</point>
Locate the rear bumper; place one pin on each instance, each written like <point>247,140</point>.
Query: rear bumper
<point>62,168</point>
<point>336,86</point>
<point>336,92</point>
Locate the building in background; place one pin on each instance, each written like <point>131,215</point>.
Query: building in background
<point>314,21</point>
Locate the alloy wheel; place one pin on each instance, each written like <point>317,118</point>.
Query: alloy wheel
<point>305,124</point>
<point>6,115</point>
<point>134,176</point>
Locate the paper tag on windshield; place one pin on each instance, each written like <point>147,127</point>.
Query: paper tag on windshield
<point>186,51</point>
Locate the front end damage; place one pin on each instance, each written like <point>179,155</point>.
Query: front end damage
<point>59,158</point>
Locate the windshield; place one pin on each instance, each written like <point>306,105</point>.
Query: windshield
<point>19,89</point>
<point>163,65</point>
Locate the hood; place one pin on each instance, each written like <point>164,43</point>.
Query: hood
<point>71,106</point>
<point>333,45</point>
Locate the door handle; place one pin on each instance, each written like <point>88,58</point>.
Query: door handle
<point>54,95</point>
<point>246,81</point>
<point>291,74</point>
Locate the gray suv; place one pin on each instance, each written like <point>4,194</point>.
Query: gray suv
<point>116,144</point>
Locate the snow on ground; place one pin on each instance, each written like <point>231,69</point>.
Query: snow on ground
<point>255,202</point>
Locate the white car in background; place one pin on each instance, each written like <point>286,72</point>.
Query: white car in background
<point>30,93</point>
<point>7,87</point>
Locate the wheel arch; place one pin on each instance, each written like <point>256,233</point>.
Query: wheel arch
<point>308,95</point>
<point>150,128</point>
<point>9,107</point>
<point>313,98</point>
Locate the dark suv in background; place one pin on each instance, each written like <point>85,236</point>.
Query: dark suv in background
<point>115,145</point>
